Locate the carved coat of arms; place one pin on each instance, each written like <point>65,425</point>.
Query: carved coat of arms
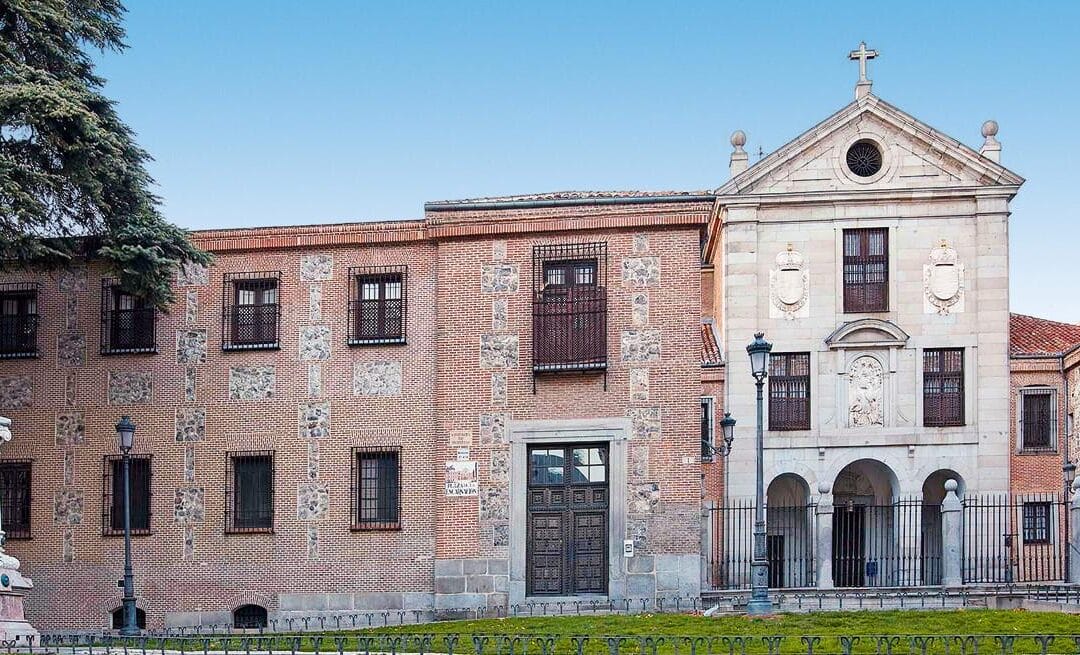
<point>943,281</point>
<point>789,284</point>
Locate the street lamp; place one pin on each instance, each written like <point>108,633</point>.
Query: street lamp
<point>125,434</point>
<point>727,428</point>
<point>759,603</point>
<point>1069,472</point>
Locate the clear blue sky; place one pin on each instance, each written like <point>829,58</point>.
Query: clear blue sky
<point>270,112</point>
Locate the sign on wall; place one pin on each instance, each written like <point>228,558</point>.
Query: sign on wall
<point>461,479</point>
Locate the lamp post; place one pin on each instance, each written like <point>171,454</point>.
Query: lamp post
<point>759,603</point>
<point>125,434</point>
<point>1069,472</point>
<point>727,427</point>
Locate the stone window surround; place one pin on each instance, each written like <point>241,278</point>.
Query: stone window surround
<point>1019,447</point>
<point>614,431</point>
<point>969,344</point>
<point>891,225</point>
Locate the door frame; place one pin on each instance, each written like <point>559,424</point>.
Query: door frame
<point>615,433</point>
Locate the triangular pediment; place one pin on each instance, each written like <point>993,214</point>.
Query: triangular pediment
<point>914,156</point>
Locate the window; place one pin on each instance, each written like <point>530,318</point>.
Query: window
<point>377,304</point>
<point>376,489</point>
<point>570,307</point>
<point>251,315</point>
<point>864,158</point>
<point>249,617</point>
<point>1038,419</point>
<point>127,322</point>
<point>118,618</point>
<point>112,495</point>
<point>15,497</point>
<point>18,320</point>
<point>789,391</point>
<point>249,492</point>
<point>708,428</point>
<point>1036,523</point>
<point>866,270</point>
<point>943,387</point>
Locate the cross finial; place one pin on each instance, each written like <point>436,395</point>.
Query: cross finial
<point>861,55</point>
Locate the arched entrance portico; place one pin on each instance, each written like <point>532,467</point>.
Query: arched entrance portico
<point>864,531</point>
<point>789,539</point>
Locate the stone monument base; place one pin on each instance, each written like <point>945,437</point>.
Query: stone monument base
<point>15,630</point>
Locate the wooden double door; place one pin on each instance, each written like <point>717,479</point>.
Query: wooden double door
<point>567,535</point>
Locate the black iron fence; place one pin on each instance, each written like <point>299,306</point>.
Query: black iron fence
<point>790,545</point>
<point>1017,538</point>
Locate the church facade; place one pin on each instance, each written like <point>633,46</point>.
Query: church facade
<point>519,397</point>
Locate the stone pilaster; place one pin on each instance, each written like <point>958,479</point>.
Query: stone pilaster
<point>951,531</point>
<point>1074,538</point>
<point>824,536</point>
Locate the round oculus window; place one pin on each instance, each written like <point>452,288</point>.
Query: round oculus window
<point>864,158</point>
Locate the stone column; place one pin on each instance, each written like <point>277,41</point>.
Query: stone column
<point>1074,538</point>
<point>706,543</point>
<point>13,586</point>
<point>824,536</point>
<point>951,533</point>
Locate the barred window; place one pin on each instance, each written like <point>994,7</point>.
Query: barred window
<point>376,496</point>
<point>866,270</point>
<point>377,305</point>
<point>15,497</point>
<point>18,320</point>
<point>251,313</point>
<point>127,321</point>
<point>1036,523</point>
<point>117,618</point>
<point>249,617</point>
<point>1038,419</point>
<point>249,491</point>
<point>708,428</point>
<point>570,307</point>
<point>789,391</point>
<point>943,387</point>
<point>112,495</point>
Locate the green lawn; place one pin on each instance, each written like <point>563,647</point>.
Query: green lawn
<point>913,633</point>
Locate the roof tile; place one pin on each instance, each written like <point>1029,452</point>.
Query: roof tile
<point>1030,335</point>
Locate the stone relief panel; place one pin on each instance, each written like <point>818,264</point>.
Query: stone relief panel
<point>312,501</point>
<point>789,286</point>
<point>493,429</point>
<point>314,420</point>
<point>499,351</point>
<point>641,271</point>
<point>251,382</point>
<point>943,282</point>
<point>70,350</point>
<point>68,506</point>
<point>315,343</point>
<point>316,268</point>
<point>190,346</point>
<point>377,379</point>
<point>72,280</point>
<point>192,275</point>
<point>188,505</point>
<point>130,387</point>
<point>644,422</point>
<point>866,379</point>
<point>499,278</point>
<point>640,346</point>
<point>190,424</point>
<point>70,428</point>
<point>16,391</point>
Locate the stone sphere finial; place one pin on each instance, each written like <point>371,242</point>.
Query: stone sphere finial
<point>824,487</point>
<point>951,485</point>
<point>990,128</point>
<point>738,139</point>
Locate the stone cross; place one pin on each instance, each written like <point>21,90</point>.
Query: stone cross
<point>862,54</point>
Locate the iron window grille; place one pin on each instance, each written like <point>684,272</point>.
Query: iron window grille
<point>251,313</point>
<point>376,488</point>
<point>112,495</point>
<point>866,270</point>
<point>18,320</point>
<point>569,307</point>
<point>789,391</point>
<point>1038,420</point>
<point>943,387</point>
<point>1036,523</point>
<point>249,491</point>
<point>127,321</point>
<point>378,300</point>
<point>864,158</point>
<point>118,618</point>
<point>708,428</point>
<point>249,617</point>
<point>15,498</point>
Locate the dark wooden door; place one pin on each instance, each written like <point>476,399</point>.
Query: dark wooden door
<point>567,530</point>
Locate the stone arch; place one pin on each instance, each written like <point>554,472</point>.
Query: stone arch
<point>789,532</point>
<point>867,530</point>
<point>933,487</point>
<point>870,481</point>
<point>931,545</point>
<point>250,617</point>
<point>788,490</point>
<point>116,618</point>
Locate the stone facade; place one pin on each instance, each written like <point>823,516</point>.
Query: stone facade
<point>252,382</point>
<point>377,379</point>
<point>130,387</point>
<point>16,391</point>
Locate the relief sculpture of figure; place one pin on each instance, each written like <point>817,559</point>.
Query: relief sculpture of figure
<point>864,393</point>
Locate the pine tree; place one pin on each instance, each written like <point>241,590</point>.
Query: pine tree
<point>73,182</point>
